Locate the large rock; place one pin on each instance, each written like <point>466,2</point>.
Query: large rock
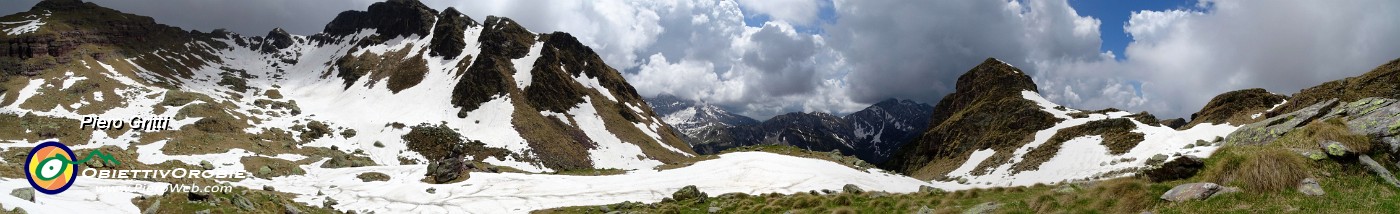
<point>852,189</point>
<point>983,208</point>
<point>1310,187</point>
<point>688,193</point>
<point>1268,130</point>
<point>1335,148</point>
<point>25,193</point>
<point>1191,191</point>
<point>1179,168</point>
<point>1379,170</point>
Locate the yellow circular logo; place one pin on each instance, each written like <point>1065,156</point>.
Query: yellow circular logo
<point>50,167</point>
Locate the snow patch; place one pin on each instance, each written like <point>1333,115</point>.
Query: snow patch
<point>972,161</point>
<point>523,66</point>
<point>758,172</point>
<point>610,152</point>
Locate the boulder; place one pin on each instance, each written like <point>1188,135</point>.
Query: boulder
<point>1379,170</point>
<point>243,203</point>
<point>1191,191</point>
<point>198,196</point>
<point>453,166</point>
<point>25,193</point>
<point>289,209</point>
<point>688,193</point>
<point>1176,169</point>
<point>1309,186</point>
<point>1156,159</point>
<point>852,189</point>
<point>204,164</point>
<point>1335,148</point>
<point>924,210</point>
<point>983,208</point>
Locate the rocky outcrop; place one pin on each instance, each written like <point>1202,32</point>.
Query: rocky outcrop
<point>448,40</point>
<point>1177,169</point>
<point>1271,129</point>
<point>277,39</point>
<point>390,19</point>
<point>1236,107</point>
<point>986,111</point>
<point>501,40</point>
<point>1380,82</point>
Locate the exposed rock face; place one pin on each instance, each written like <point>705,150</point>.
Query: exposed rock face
<point>448,40</point>
<point>1191,191</point>
<point>501,40</point>
<point>1271,129</point>
<point>986,111</point>
<point>1236,106</point>
<point>1379,82</point>
<point>1179,168</point>
<point>394,18</point>
<point>277,39</point>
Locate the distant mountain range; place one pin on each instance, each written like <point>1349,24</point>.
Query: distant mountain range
<point>872,134</point>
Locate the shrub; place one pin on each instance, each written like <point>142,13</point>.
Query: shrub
<point>1256,168</point>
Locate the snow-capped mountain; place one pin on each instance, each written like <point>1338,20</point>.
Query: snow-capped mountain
<point>997,130</point>
<point>884,127</point>
<point>537,102</point>
<point>871,134</point>
<point>691,117</point>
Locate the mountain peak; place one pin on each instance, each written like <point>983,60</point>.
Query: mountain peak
<point>61,5</point>
<point>993,75</point>
<point>393,18</point>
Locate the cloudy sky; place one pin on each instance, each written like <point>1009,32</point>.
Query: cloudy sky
<point>767,57</point>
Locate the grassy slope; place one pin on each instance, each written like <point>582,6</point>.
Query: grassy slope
<point>1266,173</point>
